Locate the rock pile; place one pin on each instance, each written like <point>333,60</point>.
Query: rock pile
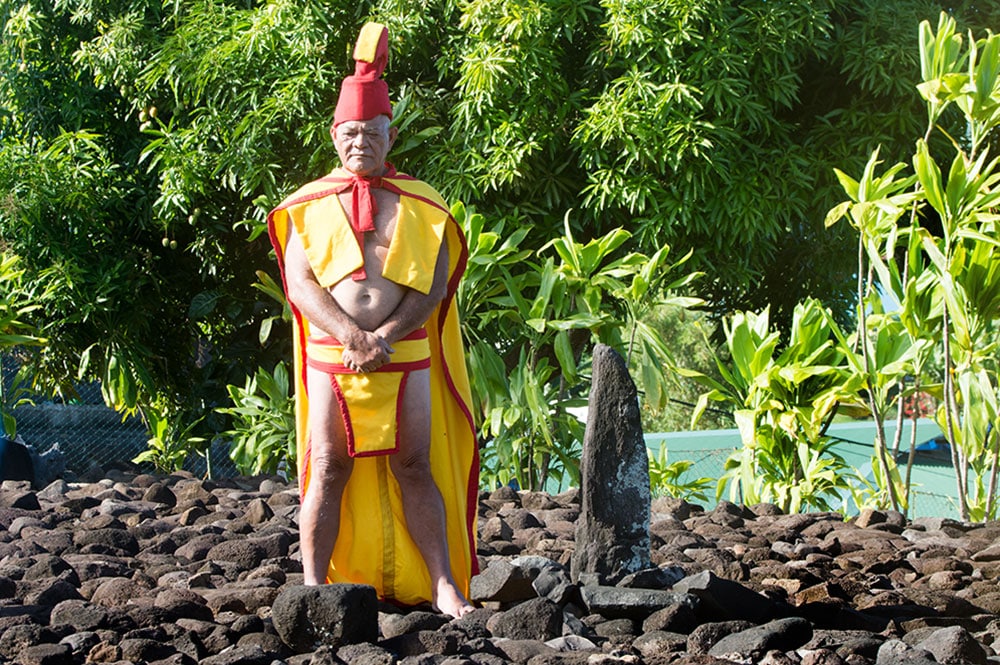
<point>179,571</point>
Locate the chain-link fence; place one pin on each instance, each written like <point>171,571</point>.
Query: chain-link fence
<point>92,437</point>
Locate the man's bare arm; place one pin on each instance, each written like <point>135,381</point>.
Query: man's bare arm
<point>322,309</point>
<point>415,307</point>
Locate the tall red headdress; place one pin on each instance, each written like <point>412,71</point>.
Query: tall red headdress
<point>364,95</point>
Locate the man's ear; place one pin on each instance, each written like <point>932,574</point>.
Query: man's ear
<point>393,132</point>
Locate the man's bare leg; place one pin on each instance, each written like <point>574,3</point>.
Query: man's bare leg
<point>423,506</point>
<point>330,468</point>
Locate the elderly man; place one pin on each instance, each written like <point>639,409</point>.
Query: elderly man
<point>387,452</point>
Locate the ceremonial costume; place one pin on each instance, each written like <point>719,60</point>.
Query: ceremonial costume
<point>373,545</point>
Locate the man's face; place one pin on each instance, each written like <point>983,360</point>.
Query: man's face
<point>363,145</point>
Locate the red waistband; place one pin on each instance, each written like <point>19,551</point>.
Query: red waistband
<point>419,333</point>
<point>336,368</point>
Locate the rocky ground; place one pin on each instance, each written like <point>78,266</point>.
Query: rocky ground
<point>176,570</point>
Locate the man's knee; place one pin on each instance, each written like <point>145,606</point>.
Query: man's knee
<point>411,465</point>
<point>330,468</point>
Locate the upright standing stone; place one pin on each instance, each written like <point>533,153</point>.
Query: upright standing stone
<point>612,533</point>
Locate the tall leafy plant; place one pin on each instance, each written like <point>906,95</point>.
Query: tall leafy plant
<point>171,440</point>
<point>263,415</point>
<point>949,285</point>
<point>878,352</point>
<point>784,395</point>
<point>532,319</point>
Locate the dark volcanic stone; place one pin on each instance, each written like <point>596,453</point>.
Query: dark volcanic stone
<point>620,602</point>
<point>78,614</point>
<point>616,629</point>
<point>536,619</point>
<point>184,603</point>
<point>17,638</point>
<point>753,643</point>
<point>116,592</point>
<point>197,548</point>
<point>363,654</point>
<point>144,649</point>
<point>246,554</point>
<point>677,618</point>
<point>896,652</point>
<point>705,636</point>
<point>333,614</point>
<point>654,578</point>
<point>51,566</point>
<point>267,642</point>
<point>392,625</point>
<point>107,541</point>
<point>501,582</point>
<point>724,599</point>
<point>954,646</point>
<point>923,593</point>
<point>45,654</point>
<point>160,493</point>
<point>8,589</point>
<point>19,498</point>
<point>421,642</point>
<point>245,655</point>
<point>524,651</point>
<point>50,592</point>
<point>612,535</point>
<point>656,643</point>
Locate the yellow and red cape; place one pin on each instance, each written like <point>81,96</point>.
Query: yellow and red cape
<point>373,546</point>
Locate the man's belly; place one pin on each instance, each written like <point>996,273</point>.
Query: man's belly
<point>368,302</point>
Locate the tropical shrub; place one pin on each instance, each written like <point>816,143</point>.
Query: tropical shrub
<point>783,397</point>
<point>667,478</point>
<point>171,441</point>
<point>263,415</point>
<point>142,142</point>
<point>531,321</point>
<point>929,240</point>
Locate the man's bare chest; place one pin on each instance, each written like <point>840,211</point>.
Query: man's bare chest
<point>386,213</point>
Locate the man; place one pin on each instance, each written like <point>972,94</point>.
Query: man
<point>388,460</point>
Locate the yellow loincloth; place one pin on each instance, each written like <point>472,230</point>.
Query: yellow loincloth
<point>369,403</point>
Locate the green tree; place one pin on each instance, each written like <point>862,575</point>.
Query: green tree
<point>142,143</point>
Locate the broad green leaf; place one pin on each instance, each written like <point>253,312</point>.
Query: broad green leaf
<point>930,178</point>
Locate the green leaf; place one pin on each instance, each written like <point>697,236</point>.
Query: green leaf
<point>930,178</point>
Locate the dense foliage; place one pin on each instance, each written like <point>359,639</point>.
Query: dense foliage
<point>17,301</point>
<point>928,236</point>
<point>928,303</point>
<point>141,144</point>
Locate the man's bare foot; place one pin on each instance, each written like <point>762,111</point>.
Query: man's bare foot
<point>448,600</point>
